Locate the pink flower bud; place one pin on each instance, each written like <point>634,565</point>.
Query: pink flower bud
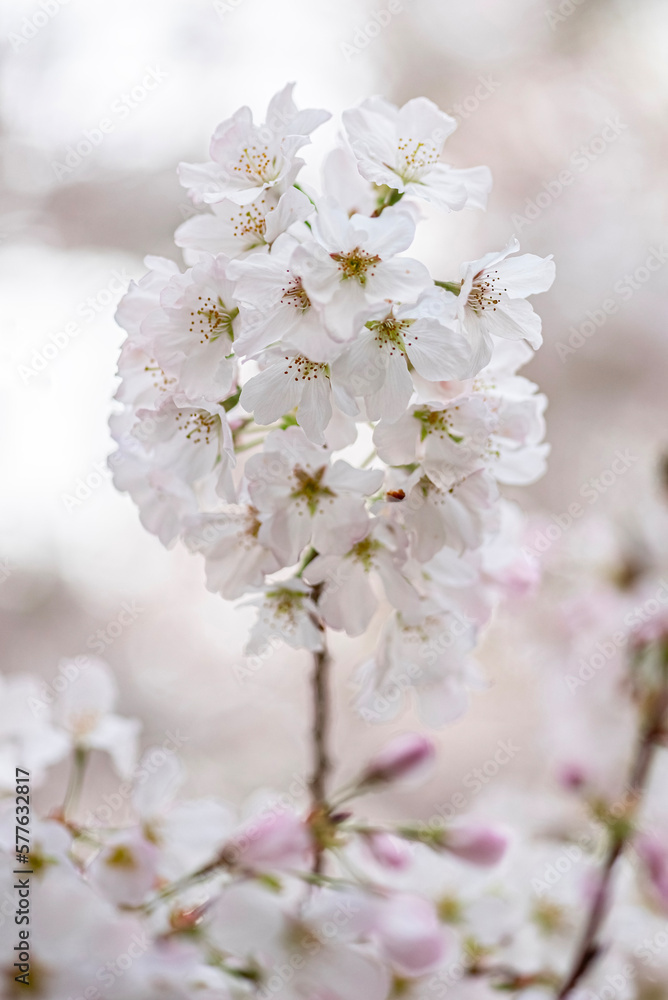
<point>403,757</point>
<point>272,840</point>
<point>411,937</point>
<point>573,776</point>
<point>480,845</point>
<point>388,850</point>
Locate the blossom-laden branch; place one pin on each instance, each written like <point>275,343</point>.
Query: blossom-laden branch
<point>302,335</point>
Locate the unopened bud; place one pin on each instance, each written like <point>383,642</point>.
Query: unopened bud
<point>388,850</point>
<point>404,757</point>
<point>480,845</point>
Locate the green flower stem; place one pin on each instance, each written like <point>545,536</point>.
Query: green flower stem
<point>450,286</point>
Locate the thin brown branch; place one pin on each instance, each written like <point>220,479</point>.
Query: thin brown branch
<point>590,947</point>
<point>320,736</point>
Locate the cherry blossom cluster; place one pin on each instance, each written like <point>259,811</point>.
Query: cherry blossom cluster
<point>315,413</point>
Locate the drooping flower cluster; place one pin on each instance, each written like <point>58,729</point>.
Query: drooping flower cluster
<point>314,412</point>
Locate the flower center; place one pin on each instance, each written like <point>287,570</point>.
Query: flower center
<point>286,604</point>
<point>255,164</point>
<point>213,319</point>
<point>450,910</point>
<point>197,425</point>
<point>365,552</point>
<point>252,523</point>
<point>121,857</point>
<point>388,332</point>
<point>550,917</point>
<point>356,264</point>
<point>250,223</point>
<point>304,369</point>
<point>485,292</point>
<point>295,295</point>
<point>414,158</point>
<point>420,633</point>
<point>161,381</point>
<point>82,724</point>
<point>435,422</point>
<point>310,489</point>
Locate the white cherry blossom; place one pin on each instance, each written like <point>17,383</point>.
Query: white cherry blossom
<point>84,711</point>
<point>235,560</point>
<point>28,737</point>
<point>322,963</point>
<point>401,147</point>
<point>247,158</point>
<point>352,264</point>
<point>347,600</point>
<point>450,513</point>
<point>303,498</point>
<point>423,336</point>
<point>448,439</point>
<point>125,871</point>
<point>189,443</point>
<point>292,381</point>
<point>275,307</point>
<point>192,332</point>
<point>287,614</point>
<point>143,296</point>
<point>492,299</point>
<point>433,656</point>
<point>185,833</point>
<point>240,230</point>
